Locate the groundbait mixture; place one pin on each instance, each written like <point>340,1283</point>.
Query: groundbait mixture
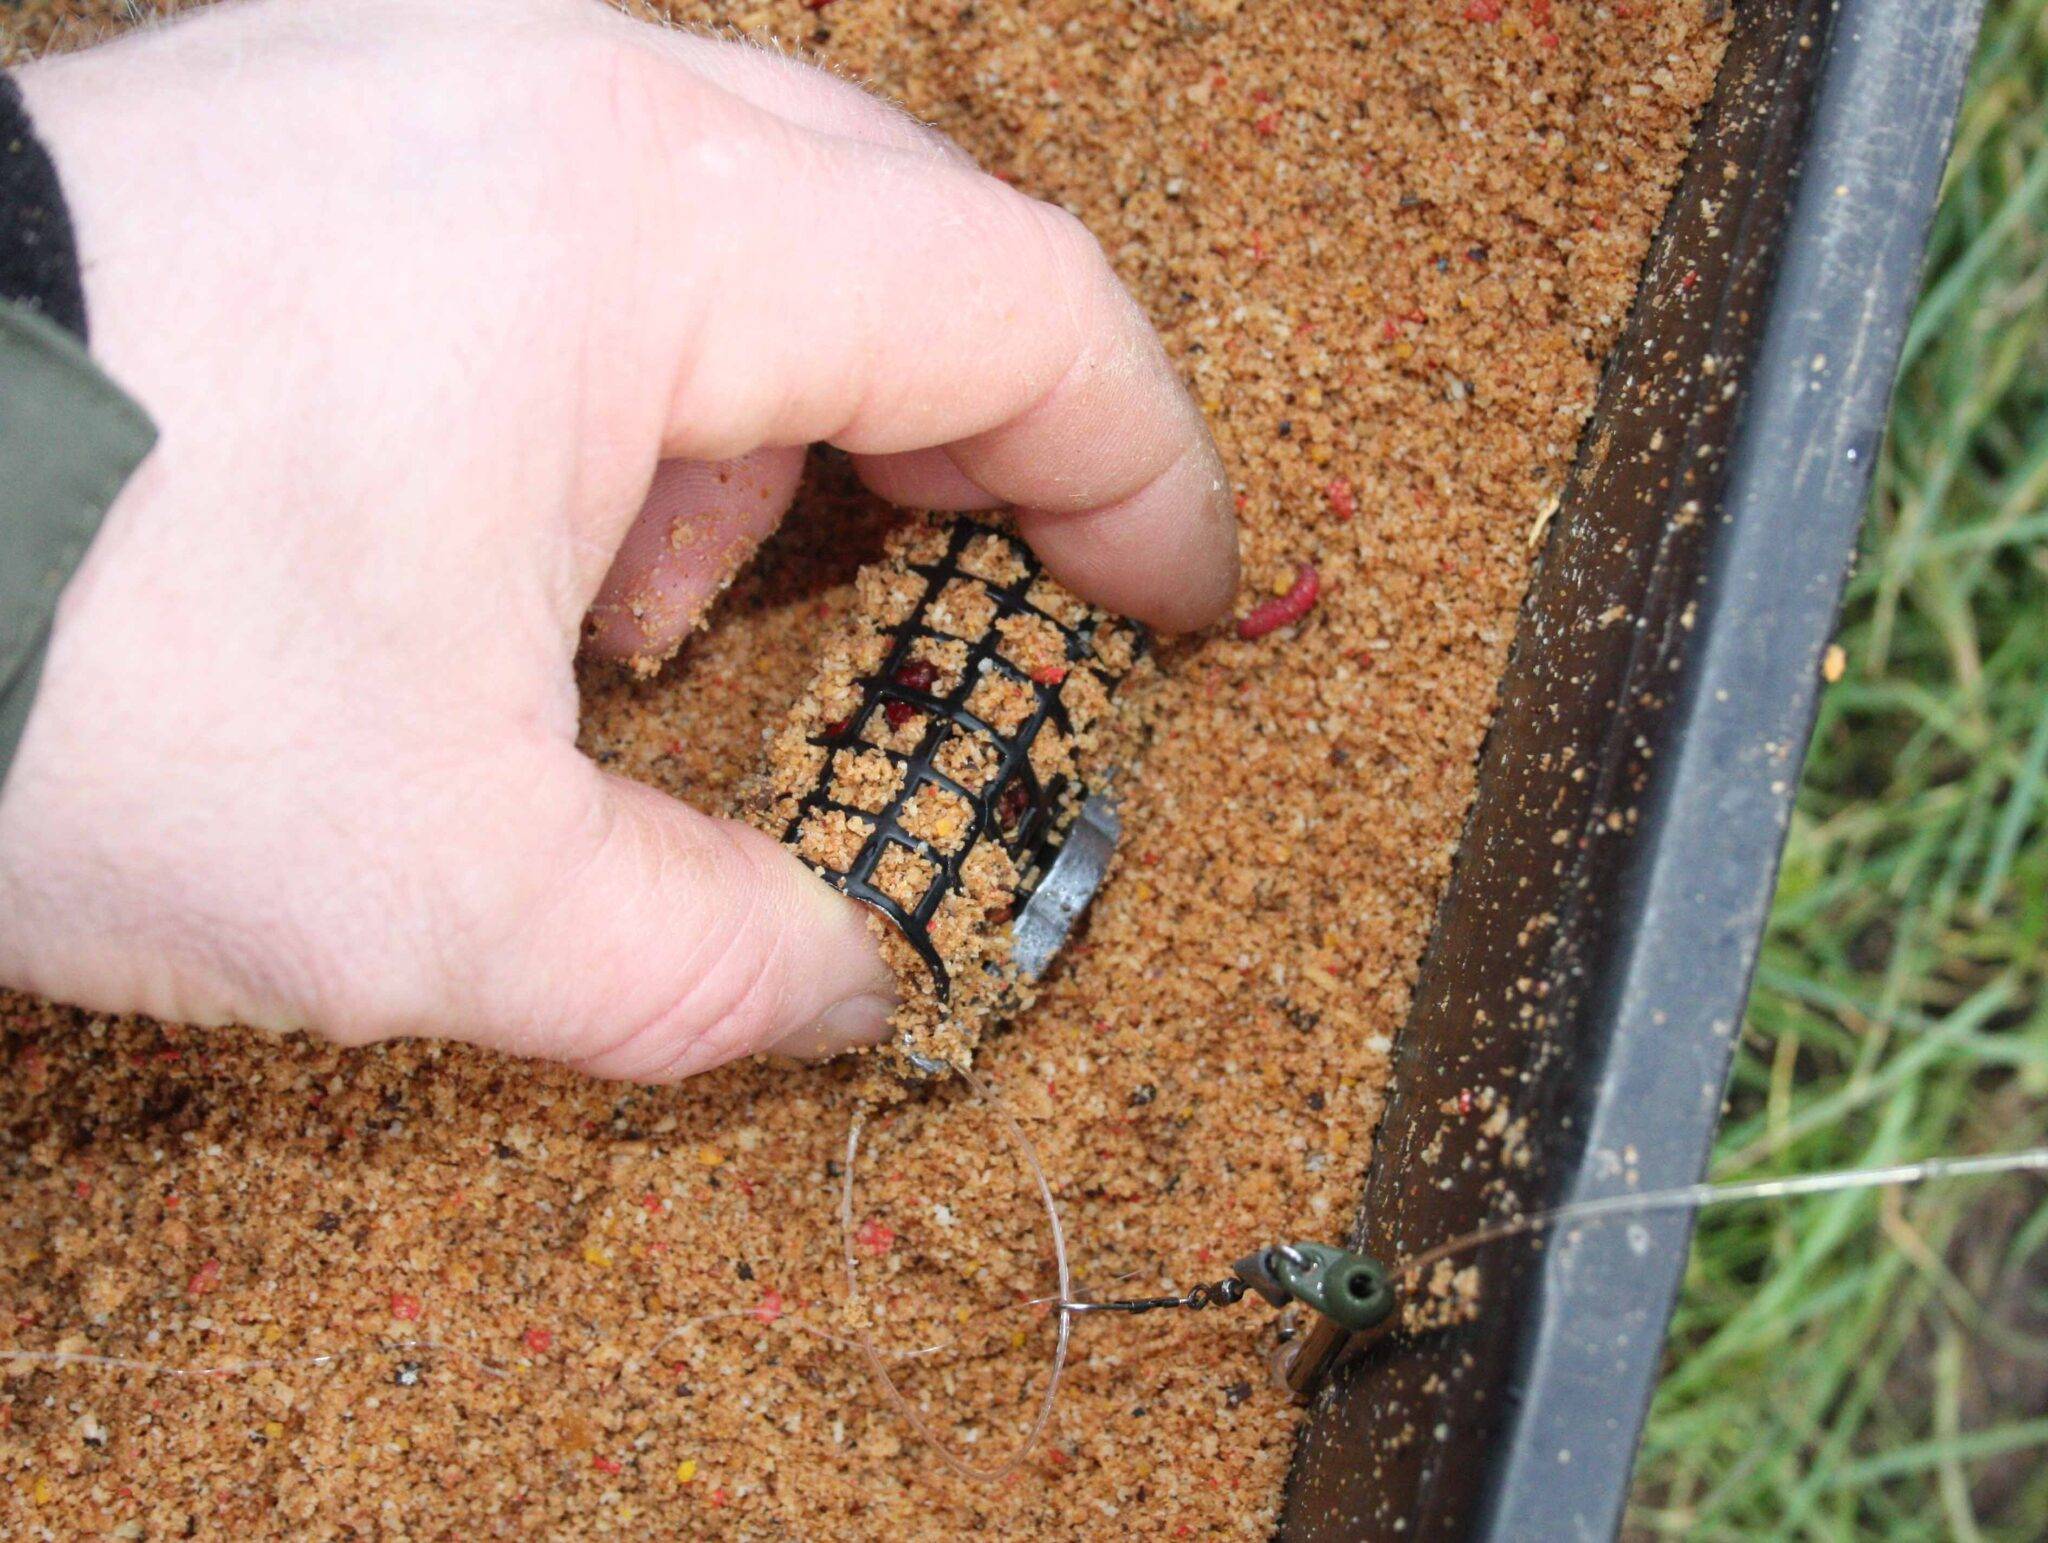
<point>1390,247</point>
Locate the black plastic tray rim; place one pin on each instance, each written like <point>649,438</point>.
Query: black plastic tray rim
<point>1592,955</point>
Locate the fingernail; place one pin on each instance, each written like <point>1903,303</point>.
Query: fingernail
<point>860,1020</point>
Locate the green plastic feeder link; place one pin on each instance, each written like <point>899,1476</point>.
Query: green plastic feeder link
<point>1350,1294</point>
<point>1351,1290</point>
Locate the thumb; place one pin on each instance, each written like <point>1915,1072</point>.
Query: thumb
<point>668,942</point>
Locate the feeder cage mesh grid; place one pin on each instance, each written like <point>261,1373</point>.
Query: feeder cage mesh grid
<point>1006,799</point>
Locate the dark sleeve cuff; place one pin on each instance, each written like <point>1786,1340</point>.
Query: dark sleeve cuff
<point>38,257</point>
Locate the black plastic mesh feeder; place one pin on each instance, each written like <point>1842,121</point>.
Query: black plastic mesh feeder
<point>1027,815</point>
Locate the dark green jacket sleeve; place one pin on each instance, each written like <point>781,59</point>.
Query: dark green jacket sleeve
<point>69,438</point>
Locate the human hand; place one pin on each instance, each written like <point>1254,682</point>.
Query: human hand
<point>439,309</point>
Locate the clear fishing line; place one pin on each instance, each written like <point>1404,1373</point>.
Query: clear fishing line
<point>59,1359</point>
<point>1700,1197</point>
<point>916,1421</point>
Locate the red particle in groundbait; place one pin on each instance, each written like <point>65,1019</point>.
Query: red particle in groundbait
<point>608,1465</point>
<point>1343,502</point>
<point>204,1279</point>
<point>898,713</point>
<point>1282,610</point>
<point>405,1307</point>
<point>538,1341</point>
<point>1483,10</point>
<point>1011,804</point>
<point>918,674</point>
<point>1049,674</point>
<point>875,1236</point>
<point>770,1308</point>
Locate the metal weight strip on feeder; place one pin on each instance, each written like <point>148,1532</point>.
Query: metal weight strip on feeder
<point>1059,834</point>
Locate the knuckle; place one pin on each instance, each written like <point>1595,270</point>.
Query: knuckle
<point>1071,244</point>
<point>1086,283</point>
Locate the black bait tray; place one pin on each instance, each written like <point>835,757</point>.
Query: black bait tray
<point>1593,950</point>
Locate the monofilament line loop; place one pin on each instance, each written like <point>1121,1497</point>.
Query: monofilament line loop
<point>57,1360</point>
<point>1029,1154</point>
<point>1691,1197</point>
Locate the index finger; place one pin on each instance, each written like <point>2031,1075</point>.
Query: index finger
<point>934,306</point>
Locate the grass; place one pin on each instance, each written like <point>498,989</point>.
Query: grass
<point>1876,1365</point>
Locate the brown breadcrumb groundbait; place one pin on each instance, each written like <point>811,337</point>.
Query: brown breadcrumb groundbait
<point>861,775</point>
<point>1389,248</point>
